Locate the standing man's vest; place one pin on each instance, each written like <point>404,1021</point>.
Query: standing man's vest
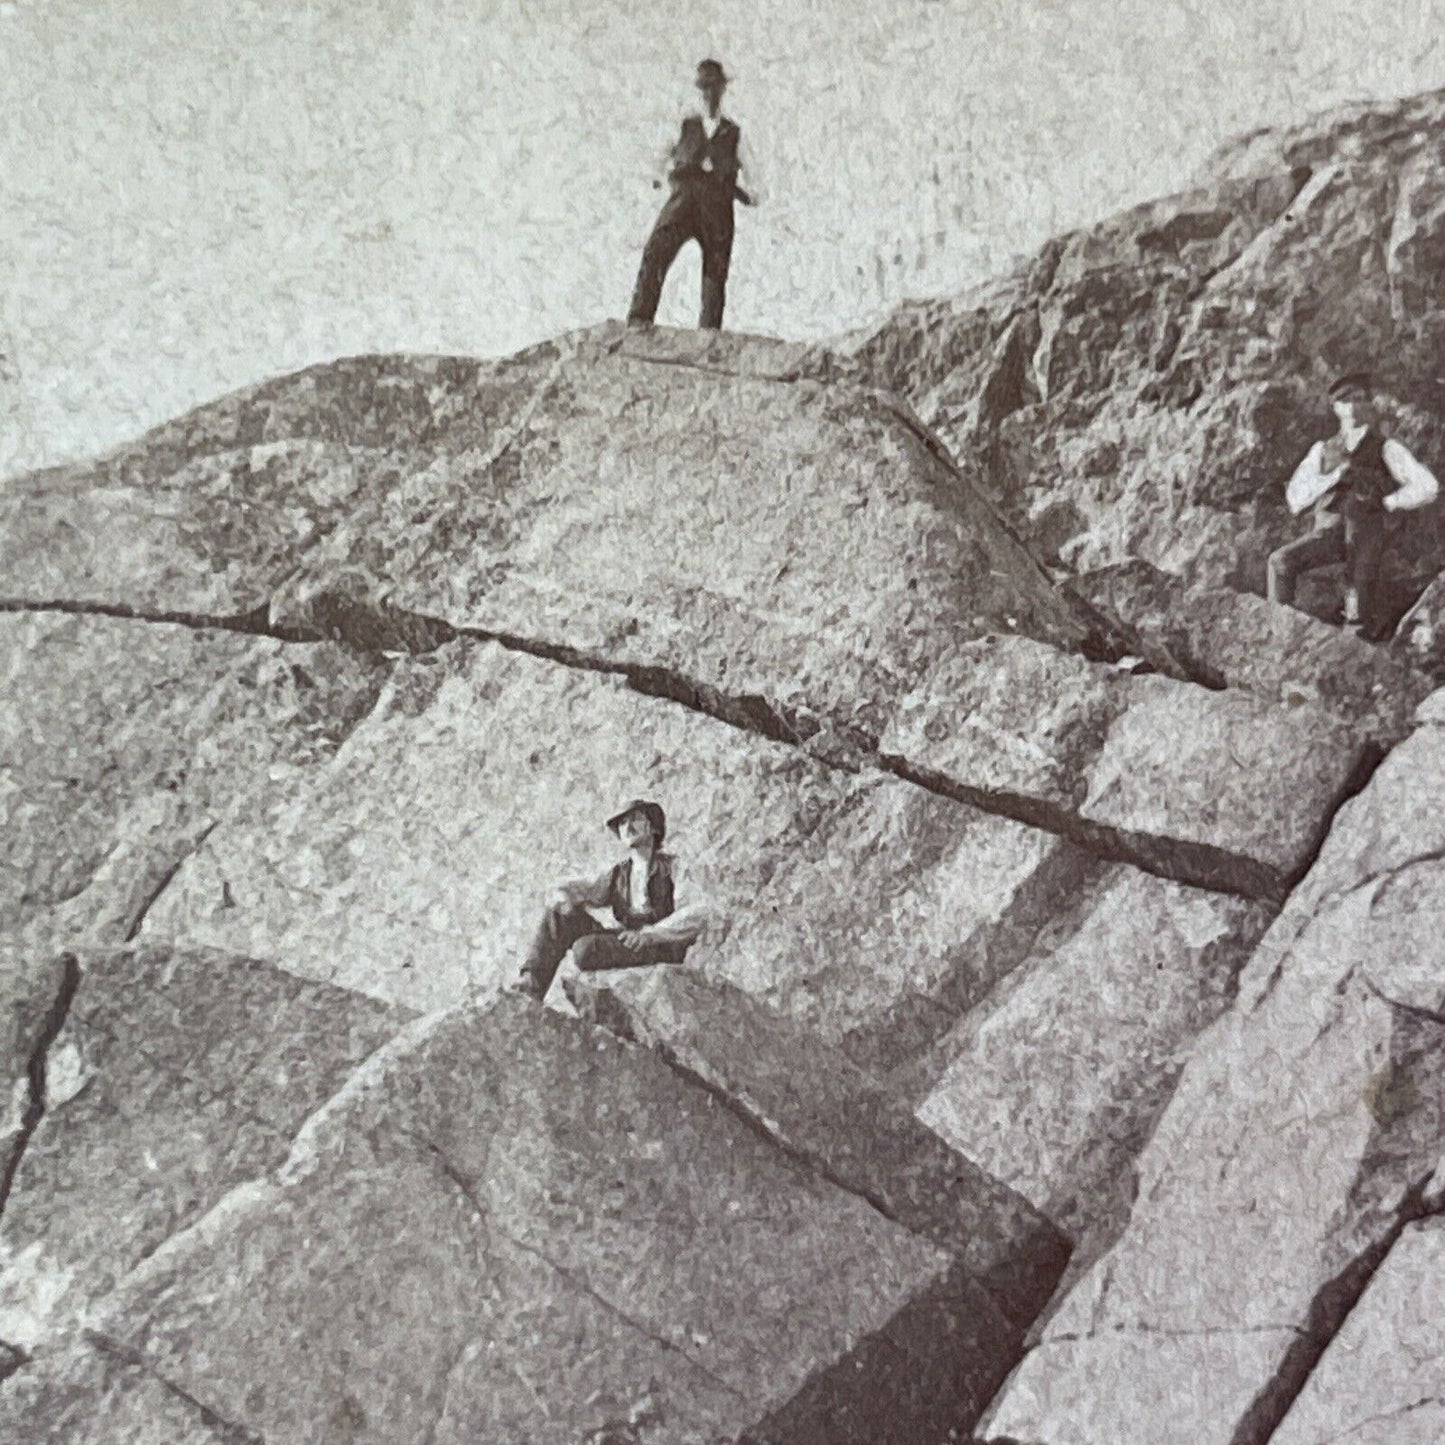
<point>721,148</point>
<point>1366,481</point>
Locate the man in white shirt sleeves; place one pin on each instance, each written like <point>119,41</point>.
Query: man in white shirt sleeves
<point>1353,482</point>
<point>708,168</point>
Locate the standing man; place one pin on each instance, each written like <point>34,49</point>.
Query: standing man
<point>705,170</point>
<point>640,893</point>
<point>1353,481</point>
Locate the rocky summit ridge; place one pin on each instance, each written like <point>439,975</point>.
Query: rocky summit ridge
<point>1061,1065</point>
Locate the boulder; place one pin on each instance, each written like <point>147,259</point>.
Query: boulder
<point>128,740</point>
<point>1227,639</point>
<point>1422,630</point>
<point>1054,1082</point>
<point>513,1226</point>
<point>1382,1380</point>
<point>1221,789</point>
<point>174,1077</point>
<point>1302,1136</point>
<point>823,1109</point>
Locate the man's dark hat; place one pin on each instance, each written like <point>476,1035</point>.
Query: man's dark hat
<point>1352,383</point>
<point>651,811</point>
<point>710,72</point>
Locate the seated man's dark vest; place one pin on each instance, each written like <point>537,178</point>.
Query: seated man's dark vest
<point>660,901</point>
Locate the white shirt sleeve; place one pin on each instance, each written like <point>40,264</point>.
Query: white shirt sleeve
<point>1310,481</point>
<point>750,174</point>
<point>1418,487</point>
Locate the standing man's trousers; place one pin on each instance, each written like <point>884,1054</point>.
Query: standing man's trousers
<point>566,928</point>
<point>694,212</point>
<point>1358,543</point>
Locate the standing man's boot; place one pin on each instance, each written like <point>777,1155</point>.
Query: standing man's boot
<point>714,296</point>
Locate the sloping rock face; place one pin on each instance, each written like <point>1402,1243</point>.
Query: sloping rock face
<point>1304,1135</point>
<point>127,741</point>
<point>513,1226</point>
<point>1382,1380</point>
<point>1055,1081</point>
<point>174,1077</point>
<point>798,545</point>
<point>1143,388</point>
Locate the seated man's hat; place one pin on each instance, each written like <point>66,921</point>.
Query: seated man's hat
<point>651,811</point>
<point>710,72</point>
<point>1352,383</point>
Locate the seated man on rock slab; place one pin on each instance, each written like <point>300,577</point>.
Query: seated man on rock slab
<point>639,891</point>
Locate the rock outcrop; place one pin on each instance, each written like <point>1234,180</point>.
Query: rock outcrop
<point>173,1077</point>
<point>1304,1135</point>
<point>512,1226</point>
<point>1142,388</point>
<point>1063,920</point>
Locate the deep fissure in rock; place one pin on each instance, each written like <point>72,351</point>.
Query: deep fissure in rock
<point>34,1112</point>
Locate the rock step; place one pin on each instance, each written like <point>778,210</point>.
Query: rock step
<point>819,1107</point>
<point>509,1225</point>
<point>1305,1134</point>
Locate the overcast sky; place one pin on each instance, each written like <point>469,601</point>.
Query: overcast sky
<point>197,194</point>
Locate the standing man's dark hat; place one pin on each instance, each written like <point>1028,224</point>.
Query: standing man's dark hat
<point>710,72</point>
<point>651,811</point>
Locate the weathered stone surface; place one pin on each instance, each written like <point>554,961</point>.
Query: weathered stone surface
<point>513,1226</point>
<point>175,1077</point>
<point>1166,366</point>
<point>84,1395</point>
<point>1302,1134</point>
<point>1220,789</point>
<point>1422,630</point>
<point>799,541</point>
<point>876,929</point>
<point>1382,1380</point>
<point>127,740</point>
<point>416,865</point>
<point>823,1109</point>
<point>1054,1082</point>
<point>1225,638</point>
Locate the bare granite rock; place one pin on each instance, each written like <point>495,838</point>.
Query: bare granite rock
<point>795,546</point>
<point>1303,1134</point>
<point>128,740</point>
<point>174,1077</point>
<point>1223,638</point>
<point>1055,1080</point>
<point>512,1226</point>
<point>1224,790</point>
<point>1143,387</point>
<point>823,1109</point>
<point>1382,1379</point>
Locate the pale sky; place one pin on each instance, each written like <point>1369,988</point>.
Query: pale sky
<point>199,194</point>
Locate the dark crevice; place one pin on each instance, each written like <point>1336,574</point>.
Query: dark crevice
<point>1327,1315</point>
<point>378,627</point>
<point>50,1027</point>
<point>256,623</point>
<point>161,883</point>
<point>1201,865</point>
<point>229,1431</point>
